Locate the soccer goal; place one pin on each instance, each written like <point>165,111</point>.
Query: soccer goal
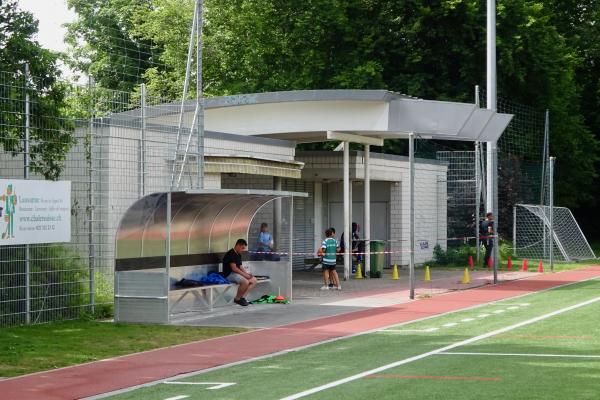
<point>537,231</point>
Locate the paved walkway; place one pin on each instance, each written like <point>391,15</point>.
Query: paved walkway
<point>122,372</point>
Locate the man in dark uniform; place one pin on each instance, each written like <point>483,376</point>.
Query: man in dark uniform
<point>487,230</point>
<point>234,272</point>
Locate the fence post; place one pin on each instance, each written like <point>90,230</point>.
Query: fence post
<point>199,99</point>
<point>90,163</point>
<point>26,176</point>
<point>514,231</point>
<point>142,146</point>
<point>411,161</point>
<point>477,186</point>
<point>551,195</point>
<point>477,200</point>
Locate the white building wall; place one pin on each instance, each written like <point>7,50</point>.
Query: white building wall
<point>430,198</point>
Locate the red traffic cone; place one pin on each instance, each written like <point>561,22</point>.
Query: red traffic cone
<point>471,264</point>
<point>541,267</point>
<point>524,267</point>
<point>508,263</point>
<point>490,262</point>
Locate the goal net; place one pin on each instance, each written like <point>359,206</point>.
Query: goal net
<point>534,238</point>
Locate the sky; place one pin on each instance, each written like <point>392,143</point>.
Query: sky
<point>51,14</point>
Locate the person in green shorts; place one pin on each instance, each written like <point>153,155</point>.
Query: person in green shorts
<point>329,249</point>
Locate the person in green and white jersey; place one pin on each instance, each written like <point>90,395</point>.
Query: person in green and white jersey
<point>329,249</point>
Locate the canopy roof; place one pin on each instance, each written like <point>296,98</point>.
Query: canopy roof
<point>202,222</point>
<point>307,115</point>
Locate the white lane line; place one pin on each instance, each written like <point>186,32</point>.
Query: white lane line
<point>513,308</point>
<point>214,385</point>
<point>519,355</point>
<point>177,397</point>
<point>449,324</point>
<point>483,315</point>
<point>499,311</point>
<point>408,330</point>
<point>467,320</point>
<point>437,351</point>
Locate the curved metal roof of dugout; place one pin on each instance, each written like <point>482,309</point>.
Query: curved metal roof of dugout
<point>203,224</point>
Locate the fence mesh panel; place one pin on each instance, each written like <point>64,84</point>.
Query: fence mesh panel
<point>78,145</point>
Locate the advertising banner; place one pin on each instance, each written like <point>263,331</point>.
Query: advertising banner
<point>34,212</point>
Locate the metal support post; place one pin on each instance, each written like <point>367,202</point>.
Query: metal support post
<point>477,186</point>
<point>277,214</point>
<point>91,236</point>
<point>142,146</point>
<point>26,176</point>
<point>291,239</point>
<point>168,254</point>
<point>186,84</point>
<point>347,199</point>
<point>411,218</point>
<point>367,209</point>
<point>477,201</point>
<point>514,251</point>
<point>496,254</point>
<point>492,167</point>
<point>551,195</point>
<point>199,96</point>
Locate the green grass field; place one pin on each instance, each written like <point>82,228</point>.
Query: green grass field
<point>540,346</point>
<point>33,348</point>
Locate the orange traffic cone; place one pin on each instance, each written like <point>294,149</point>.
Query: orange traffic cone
<point>508,263</point>
<point>490,262</point>
<point>524,267</point>
<point>541,267</point>
<point>471,264</point>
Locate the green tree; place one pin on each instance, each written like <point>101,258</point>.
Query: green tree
<point>102,43</point>
<point>49,133</point>
<point>426,48</point>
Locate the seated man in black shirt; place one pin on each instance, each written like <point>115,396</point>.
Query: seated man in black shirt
<point>236,273</point>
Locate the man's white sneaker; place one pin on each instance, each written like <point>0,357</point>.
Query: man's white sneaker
<point>324,287</point>
<point>339,287</point>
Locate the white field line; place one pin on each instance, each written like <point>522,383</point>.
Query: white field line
<point>177,397</point>
<point>519,355</point>
<point>391,330</point>
<point>213,385</point>
<point>437,351</point>
<point>308,346</point>
<point>483,315</point>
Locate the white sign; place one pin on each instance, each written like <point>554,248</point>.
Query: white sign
<point>34,212</point>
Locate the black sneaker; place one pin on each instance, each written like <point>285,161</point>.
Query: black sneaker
<point>242,302</point>
<point>331,286</point>
<point>247,302</point>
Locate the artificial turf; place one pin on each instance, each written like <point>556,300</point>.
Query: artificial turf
<point>438,376</point>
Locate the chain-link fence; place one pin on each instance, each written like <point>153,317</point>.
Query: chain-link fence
<point>104,143</point>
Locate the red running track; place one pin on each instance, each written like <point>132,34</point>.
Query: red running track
<point>122,372</point>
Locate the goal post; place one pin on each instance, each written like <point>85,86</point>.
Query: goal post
<point>536,237</point>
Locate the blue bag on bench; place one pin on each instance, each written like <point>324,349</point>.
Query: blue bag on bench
<point>213,279</point>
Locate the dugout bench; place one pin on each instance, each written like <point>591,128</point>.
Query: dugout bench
<point>165,237</point>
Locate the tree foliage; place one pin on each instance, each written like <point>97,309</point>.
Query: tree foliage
<point>103,44</point>
<point>427,48</point>
<point>50,135</point>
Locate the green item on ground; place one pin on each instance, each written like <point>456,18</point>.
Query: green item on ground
<point>269,299</point>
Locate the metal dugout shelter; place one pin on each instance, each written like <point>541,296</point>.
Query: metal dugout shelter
<point>166,236</point>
